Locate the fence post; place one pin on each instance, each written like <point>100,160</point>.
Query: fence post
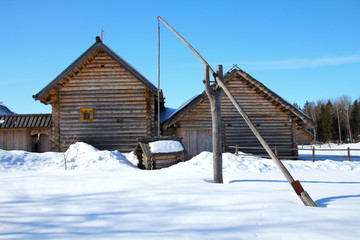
<point>349,153</point>
<point>276,151</point>
<point>313,154</point>
<point>236,150</point>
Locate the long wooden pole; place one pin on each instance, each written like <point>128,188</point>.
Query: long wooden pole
<point>158,91</point>
<point>304,196</point>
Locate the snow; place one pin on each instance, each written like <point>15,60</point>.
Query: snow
<point>328,151</point>
<point>165,115</point>
<point>79,156</point>
<point>171,112</point>
<point>105,197</point>
<point>166,146</point>
<point>4,110</point>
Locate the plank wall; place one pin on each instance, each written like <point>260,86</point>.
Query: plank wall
<point>15,139</point>
<point>122,107</point>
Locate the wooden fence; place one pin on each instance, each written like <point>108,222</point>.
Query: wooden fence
<point>312,149</point>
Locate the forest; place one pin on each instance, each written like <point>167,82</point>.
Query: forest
<point>336,120</point>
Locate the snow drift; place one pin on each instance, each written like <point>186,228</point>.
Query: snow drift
<point>83,156</point>
<point>78,156</point>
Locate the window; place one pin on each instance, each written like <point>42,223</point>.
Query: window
<point>86,114</point>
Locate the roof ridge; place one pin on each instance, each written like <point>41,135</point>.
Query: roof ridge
<point>177,114</point>
<point>83,56</point>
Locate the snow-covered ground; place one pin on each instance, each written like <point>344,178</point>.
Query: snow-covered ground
<point>104,196</point>
<point>333,151</point>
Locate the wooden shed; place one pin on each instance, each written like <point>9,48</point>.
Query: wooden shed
<point>102,100</point>
<point>149,159</point>
<point>278,121</point>
<point>29,132</point>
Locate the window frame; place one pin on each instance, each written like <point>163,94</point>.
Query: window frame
<point>84,112</point>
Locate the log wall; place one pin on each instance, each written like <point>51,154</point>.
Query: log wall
<point>122,107</point>
<point>275,124</point>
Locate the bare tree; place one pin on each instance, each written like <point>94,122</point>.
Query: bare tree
<point>339,108</point>
<point>346,100</point>
<point>71,140</point>
<point>310,110</point>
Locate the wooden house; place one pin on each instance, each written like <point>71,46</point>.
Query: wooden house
<point>102,100</point>
<point>29,132</point>
<point>278,121</point>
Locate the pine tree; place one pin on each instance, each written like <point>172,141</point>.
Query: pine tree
<point>355,120</point>
<point>326,123</point>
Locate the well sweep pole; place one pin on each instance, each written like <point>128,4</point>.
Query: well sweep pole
<point>304,196</point>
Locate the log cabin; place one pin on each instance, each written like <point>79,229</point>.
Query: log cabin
<point>281,124</point>
<point>102,100</point>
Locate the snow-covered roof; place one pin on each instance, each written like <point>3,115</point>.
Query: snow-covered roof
<point>4,109</point>
<point>161,146</point>
<point>170,112</point>
<point>166,146</point>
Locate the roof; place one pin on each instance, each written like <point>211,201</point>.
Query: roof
<point>25,121</point>
<point>97,45</point>
<point>143,143</point>
<point>228,76</point>
<point>4,109</point>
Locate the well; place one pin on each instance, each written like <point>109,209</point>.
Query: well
<point>156,153</point>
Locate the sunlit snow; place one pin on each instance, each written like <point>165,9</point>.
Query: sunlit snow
<point>104,196</point>
<point>165,146</point>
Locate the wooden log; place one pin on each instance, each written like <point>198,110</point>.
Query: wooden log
<point>215,96</point>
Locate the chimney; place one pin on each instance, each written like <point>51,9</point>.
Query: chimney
<point>98,39</point>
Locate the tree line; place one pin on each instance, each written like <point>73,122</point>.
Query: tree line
<point>336,120</point>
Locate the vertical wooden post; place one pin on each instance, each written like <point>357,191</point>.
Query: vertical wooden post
<point>55,126</point>
<point>158,91</point>
<point>215,96</point>
<point>295,137</point>
<point>276,151</point>
<point>236,150</point>
<point>348,150</point>
<point>313,154</point>
<point>149,129</point>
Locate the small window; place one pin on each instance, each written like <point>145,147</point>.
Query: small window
<point>86,114</point>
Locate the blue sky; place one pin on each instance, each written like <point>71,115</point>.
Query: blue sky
<point>301,50</point>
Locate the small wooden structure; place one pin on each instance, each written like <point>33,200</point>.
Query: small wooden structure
<point>29,132</point>
<point>149,160</point>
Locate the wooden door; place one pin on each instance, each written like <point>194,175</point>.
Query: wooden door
<point>197,141</point>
